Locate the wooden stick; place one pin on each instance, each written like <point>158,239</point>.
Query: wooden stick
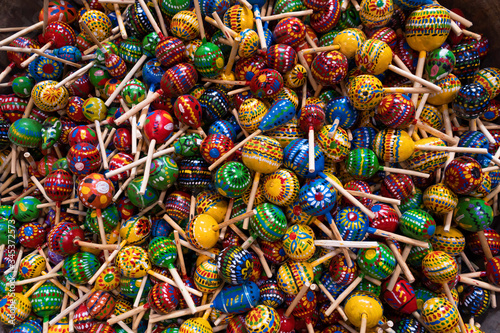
<point>23,32</point>
<point>284,15</point>
<point>297,298</point>
<point>119,18</point>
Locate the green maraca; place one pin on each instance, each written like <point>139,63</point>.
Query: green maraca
<point>45,302</point>
<point>378,262</point>
<point>163,253</point>
<point>269,224</point>
<point>22,86</point>
<point>164,172</point>
<point>25,133</point>
<point>25,210</point>
<point>51,132</point>
<point>80,267</point>
<point>141,200</point>
<point>475,215</point>
<point>362,163</point>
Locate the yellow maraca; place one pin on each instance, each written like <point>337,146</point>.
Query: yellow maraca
<point>363,309</point>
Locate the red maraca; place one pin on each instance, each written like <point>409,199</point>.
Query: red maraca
<point>188,110</point>
<point>158,127</point>
<point>58,186</point>
<point>311,118</point>
<point>96,192</point>
<point>17,58</point>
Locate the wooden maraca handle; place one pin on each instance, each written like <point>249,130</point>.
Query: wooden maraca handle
<point>138,107</point>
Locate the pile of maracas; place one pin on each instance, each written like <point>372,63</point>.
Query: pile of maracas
<point>317,165</point>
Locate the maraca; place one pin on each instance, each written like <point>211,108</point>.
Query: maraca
<point>58,186</point>
<point>340,112</point>
<point>46,301</point>
<point>279,113</point>
<point>157,128</point>
<point>439,307</point>
<point>14,309</point>
<point>311,118</point>
<point>441,268</point>
<point>96,192</point>
<point>268,223</point>
<point>364,310</point>
<point>162,252</point>
<point>263,155</point>
<point>262,318</point>
<point>114,64</point>
<point>95,110</point>
<point>375,57</point>
<point>362,163</point>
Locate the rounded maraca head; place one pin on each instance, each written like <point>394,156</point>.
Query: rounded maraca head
<point>266,83</point>
<point>178,80</point>
<point>98,23</point>
<point>109,279</point>
<point>439,64</point>
<point>195,325</point>
<point>61,236</point>
<point>360,304</point>
<point>324,20</point>
<point>100,305</point>
<point>137,199</point>
<point>472,101</point>
<point>292,276</point>
<point>235,264</point>
<point>393,146</point>
<point>133,262</point>
<point>396,111</point>
<point>270,293</point>
<point>31,235</point>
<point>340,272</point>
<point>365,92</point>
<point>474,244</point>
<point>162,252</point>
<point>298,242</point>
<point>311,116</point>
<point>14,309</point>
<point>439,267</point>
<point>80,267</point>
<point>84,134</point>
<point>206,277</point>
<point>238,298</point>
<point>493,270</point>
<point>95,109</point>
<point>336,148</point>
<point>463,175</point>
<point>232,179</point>
<point>317,197</point>
<point>25,133</point>
<point>438,307</point>
<point>418,224</point>
<point>51,132</point>
<point>329,68</point>
<point>440,199</point>
<point>135,230</point>
<point>489,78</point>
<point>163,298</point>
<point>208,60</point>
<point>32,266</point>
<point>214,146</point>
<point>188,110</point>
<point>352,223</point>
<point>290,31</point>
<point>164,172</point>
<point>96,191</point>
<point>58,185</point>
<point>437,23</point>
<point>262,318</point>
<point>473,214</point>
<point>281,187</point>
<point>82,319</point>
<point>269,223</point>
<point>201,232</point>
<point>362,163</point>
<point>427,161</point>
<point>281,57</point>
<point>152,72</point>
<point>373,57</point>
<point>29,326</point>
<point>401,298</point>
<point>377,262</point>
<point>25,210</point>
<point>475,301</point>
<point>159,125</point>
<point>262,154</point>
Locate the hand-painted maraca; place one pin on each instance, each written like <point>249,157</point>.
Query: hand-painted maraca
<point>25,132</point>
<point>58,186</point>
<point>235,264</point>
<point>340,112</point>
<point>46,301</point>
<point>263,155</point>
<point>311,118</point>
<point>80,267</point>
<point>114,64</point>
<point>262,318</point>
<point>363,309</point>
<point>96,192</point>
<point>236,299</point>
<point>163,253</point>
<point>157,128</point>
<point>14,309</point>
<point>95,110</point>
<point>279,113</point>
<point>269,223</point>
<point>438,307</point>
<point>188,110</point>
